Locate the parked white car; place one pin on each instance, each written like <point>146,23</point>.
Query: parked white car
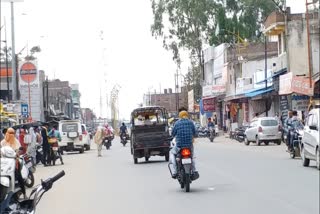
<point>85,136</point>
<point>264,129</point>
<point>310,149</point>
<point>71,136</point>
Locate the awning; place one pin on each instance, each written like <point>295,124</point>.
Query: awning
<point>259,92</point>
<point>276,74</point>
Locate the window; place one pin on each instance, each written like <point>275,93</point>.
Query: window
<point>315,121</point>
<point>269,123</point>
<point>70,127</point>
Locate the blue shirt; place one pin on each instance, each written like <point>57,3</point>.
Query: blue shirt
<point>184,131</point>
<point>210,124</point>
<point>123,129</point>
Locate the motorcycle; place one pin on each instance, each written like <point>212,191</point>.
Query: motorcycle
<point>297,137</point>
<point>39,154</point>
<point>203,132</point>
<point>28,206</point>
<point>7,175</point>
<point>27,170</point>
<point>212,134</point>
<point>185,174</point>
<point>55,153</point>
<point>124,139</point>
<point>240,133</point>
<point>107,142</point>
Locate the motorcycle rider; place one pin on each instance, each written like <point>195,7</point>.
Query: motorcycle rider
<point>211,126</point>
<point>286,127</point>
<point>56,133</point>
<point>184,132</point>
<point>10,140</point>
<point>295,124</point>
<point>123,130</point>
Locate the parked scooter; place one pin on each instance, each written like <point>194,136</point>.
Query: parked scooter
<point>39,154</point>
<point>26,170</point>
<point>7,175</point>
<point>240,133</point>
<point>185,175</point>
<point>203,132</point>
<point>28,206</point>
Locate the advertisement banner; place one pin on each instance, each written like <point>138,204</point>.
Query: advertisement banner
<point>285,84</point>
<point>209,105</point>
<point>191,101</point>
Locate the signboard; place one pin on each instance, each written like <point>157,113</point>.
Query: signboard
<point>284,107</point>
<point>208,105</point>
<point>24,109</point>
<point>295,84</point>
<point>29,75</point>
<point>301,85</point>
<point>300,102</point>
<point>191,101</point>
<point>213,90</point>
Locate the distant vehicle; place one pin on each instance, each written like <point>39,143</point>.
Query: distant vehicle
<point>310,148</point>
<point>149,133</point>
<point>264,129</point>
<point>71,136</point>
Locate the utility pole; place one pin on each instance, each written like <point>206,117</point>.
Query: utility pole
<point>266,69</point>
<point>308,45</point>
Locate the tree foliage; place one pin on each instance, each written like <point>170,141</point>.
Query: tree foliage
<point>183,24</point>
<point>33,51</point>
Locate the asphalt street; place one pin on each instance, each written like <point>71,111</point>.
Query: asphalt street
<point>234,179</point>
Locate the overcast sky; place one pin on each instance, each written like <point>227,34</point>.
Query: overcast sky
<point>69,34</point>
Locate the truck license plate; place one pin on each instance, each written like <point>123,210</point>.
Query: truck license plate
<point>186,161</point>
<point>55,148</point>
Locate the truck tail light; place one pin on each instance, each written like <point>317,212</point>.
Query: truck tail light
<point>260,129</point>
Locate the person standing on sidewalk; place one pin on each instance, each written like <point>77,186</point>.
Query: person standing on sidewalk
<point>45,145</point>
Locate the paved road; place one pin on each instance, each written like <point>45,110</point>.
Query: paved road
<point>234,179</point>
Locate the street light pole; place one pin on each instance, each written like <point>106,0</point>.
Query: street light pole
<point>13,60</point>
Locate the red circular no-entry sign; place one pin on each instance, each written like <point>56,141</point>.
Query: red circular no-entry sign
<point>28,72</point>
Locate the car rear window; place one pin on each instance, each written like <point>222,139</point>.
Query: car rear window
<point>269,122</point>
<point>70,127</point>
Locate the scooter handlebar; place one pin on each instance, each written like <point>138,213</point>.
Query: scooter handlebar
<point>58,176</point>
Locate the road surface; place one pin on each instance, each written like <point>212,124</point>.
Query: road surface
<point>234,179</point>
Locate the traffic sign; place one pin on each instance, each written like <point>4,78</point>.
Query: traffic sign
<point>24,109</point>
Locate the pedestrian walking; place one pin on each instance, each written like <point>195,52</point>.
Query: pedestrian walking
<point>98,139</point>
<point>31,140</point>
